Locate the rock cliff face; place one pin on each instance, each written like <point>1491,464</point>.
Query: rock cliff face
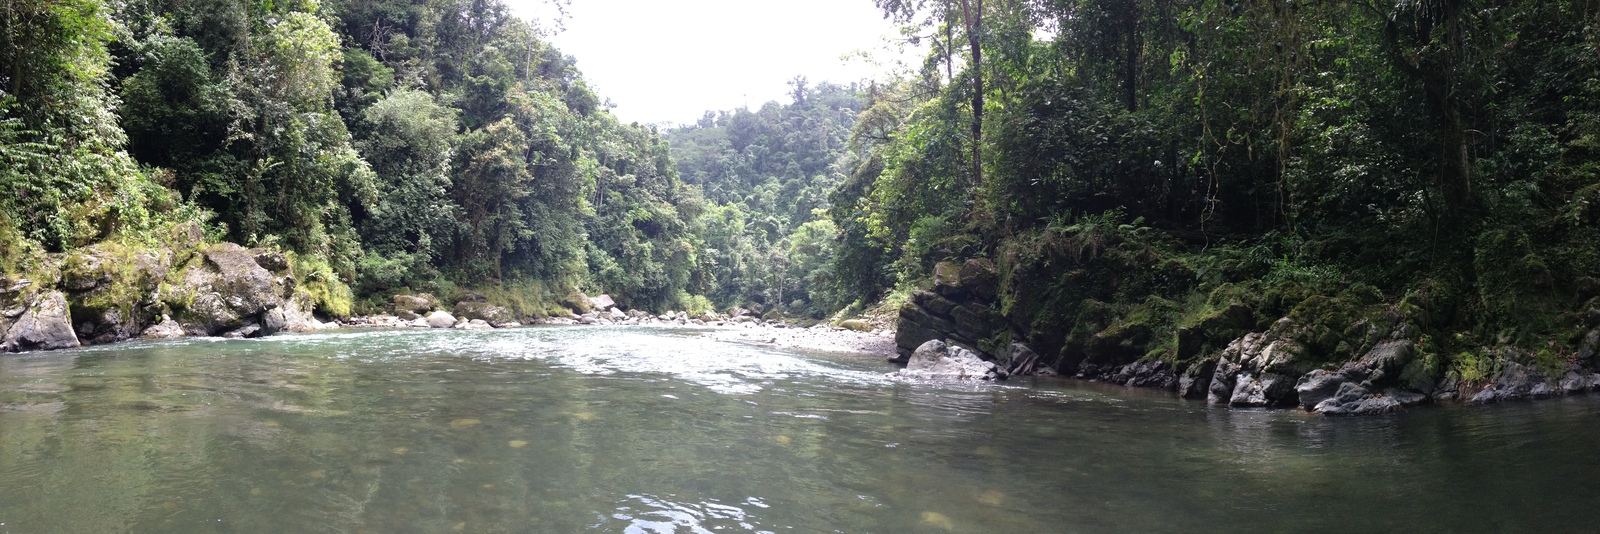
<point>108,293</point>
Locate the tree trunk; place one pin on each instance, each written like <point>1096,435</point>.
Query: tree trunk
<point>972,11</point>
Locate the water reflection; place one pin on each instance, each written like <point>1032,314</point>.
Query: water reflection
<point>639,430</point>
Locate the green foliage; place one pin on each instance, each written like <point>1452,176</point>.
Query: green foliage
<point>329,294</point>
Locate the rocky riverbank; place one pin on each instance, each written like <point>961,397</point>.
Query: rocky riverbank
<point>105,295</point>
<point>1377,363</point>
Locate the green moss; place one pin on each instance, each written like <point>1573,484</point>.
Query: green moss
<point>330,295</point>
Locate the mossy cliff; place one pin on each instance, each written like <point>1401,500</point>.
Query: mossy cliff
<point>179,284</point>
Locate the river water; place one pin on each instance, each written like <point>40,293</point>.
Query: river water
<point>642,430</point>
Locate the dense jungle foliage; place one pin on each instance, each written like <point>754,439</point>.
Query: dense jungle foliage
<point>1135,168</point>
<point>1138,168</point>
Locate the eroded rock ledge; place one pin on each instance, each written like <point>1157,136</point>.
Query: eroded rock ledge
<point>1378,365</point>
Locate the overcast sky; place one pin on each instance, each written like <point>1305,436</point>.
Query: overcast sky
<point>671,60</point>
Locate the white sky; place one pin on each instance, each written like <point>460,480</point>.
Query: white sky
<point>671,60</point>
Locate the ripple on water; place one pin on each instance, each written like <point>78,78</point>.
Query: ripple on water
<point>648,514</point>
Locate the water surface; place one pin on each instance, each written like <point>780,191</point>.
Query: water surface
<point>643,430</point>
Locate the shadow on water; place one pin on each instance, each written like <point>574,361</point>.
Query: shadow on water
<point>662,430</point>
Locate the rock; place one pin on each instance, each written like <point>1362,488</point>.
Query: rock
<point>482,310</point>
<point>471,296</point>
<point>187,235</point>
<point>477,324</point>
<point>412,304</point>
<point>45,325</point>
<point>1252,392</point>
<point>1579,382</point>
<point>1516,382</point>
<point>1222,382</point>
<point>512,324</point>
<point>224,292</point>
<point>617,315</point>
<point>856,325</point>
<point>84,272</point>
<point>947,280</point>
<point>1317,386</point>
<point>1196,380</point>
<point>270,260</point>
<point>980,278</point>
<point>420,323</point>
<point>935,360</point>
<point>274,321</point>
<point>602,302</point>
<point>166,329</point>
<point>1022,361</point>
<point>440,319</point>
<point>249,330</point>
<point>404,315</point>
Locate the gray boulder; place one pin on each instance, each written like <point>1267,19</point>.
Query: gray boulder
<point>412,304</point>
<point>46,324</point>
<point>935,360</point>
<point>602,302</point>
<point>224,291</point>
<point>440,319</point>
<point>484,311</point>
<point>166,329</point>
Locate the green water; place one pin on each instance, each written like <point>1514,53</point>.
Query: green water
<point>658,430</point>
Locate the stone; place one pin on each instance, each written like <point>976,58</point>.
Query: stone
<point>935,360</point>
<point>602,302</point>
<point>273,321</point>
<point>980,278</point>
<point>482,310</point>
<point>477,324</point>
<point>420,323</point>
<point>166,329</point>
<point>411,304</point>
<point>45,325</point>
<point>249,330</point>
<point>1317,386</point>
<point>440,319</point>
<point>1196,380</point>
<point>404,315</point>
<point>271,260</point>
<point>617,315</point>
<point>857,325</point>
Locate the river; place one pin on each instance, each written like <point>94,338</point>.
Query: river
<point>654,430</point>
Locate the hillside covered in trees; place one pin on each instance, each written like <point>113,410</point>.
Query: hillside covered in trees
<point>1145,179</point>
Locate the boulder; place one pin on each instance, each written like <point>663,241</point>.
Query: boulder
<point>225,291</point>
<point>476,324</point>
<point>616,315</point>
<point>602,302</point>
<point>166,329</point>
<point>411,304</point>
<point>270,260</point>
<point>482,310</point>
<point>980,279</point>
<point>1196,380</point>
<point>420,323</point>
<point>856,325</point>
<point>440,319</point>
<point>947,280</point>
<point>1317,386</point>
<point>246,331</point>
<point>935,360</point>
<point>46,324</point>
